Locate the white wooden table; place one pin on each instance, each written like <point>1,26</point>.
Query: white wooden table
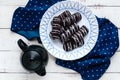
<point>10,67</point>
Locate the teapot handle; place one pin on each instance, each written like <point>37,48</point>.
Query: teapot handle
<point>22,45</point>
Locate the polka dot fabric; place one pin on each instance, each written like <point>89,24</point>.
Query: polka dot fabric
<point>26,19</point>
<point>94,65</point>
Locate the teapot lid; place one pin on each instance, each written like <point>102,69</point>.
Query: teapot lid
<point>31,60</point>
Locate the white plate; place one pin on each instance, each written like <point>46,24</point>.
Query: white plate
<point>54,47</point>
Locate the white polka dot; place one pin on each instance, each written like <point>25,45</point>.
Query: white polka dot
<point>92,71</point>
<point>18,28</point>
<point>98,49</point>
<point>20,18</point>
<point>32,13</point>
<point>106,44</point>
<point>35,9</point>
<point>105,53</point>
<point>27,18</point>
<point>87,71</point>
<point>88,76</point>
<point>79,68</point>
<point>30,22</point>
<point>30,4</point>
<point>16,15</point>
<point>36,1</point>
<point>96,61</point>
<point>41,8</point>
<point>38,12</point>
<point>100,35</point>
<point>21,24</point>
<point>24,21</point>
<point>115,42</point>
<point>110,38</point>
<point>36,16</point>
<point>28,9</point>
<point>89,62</point>
<point>107,48</point>
<point>97,70</point>
<point>105,34</point>
<point>69,66</point>
<point>12,28</point>
<point>97,75</point>
<point>92,75</point>
<point>101,69</point>
<point>13,18</point>
<point>83,64</point>
<point>41,3</point>
<point>103,61</point>
<point>18,22</point>
<point>111,47</point>
<point>102,44</point>
<point>94,50</point>
<point>74,68</point>
<point>29,15</point>
<point>35,5</point>
<point>19,12</point>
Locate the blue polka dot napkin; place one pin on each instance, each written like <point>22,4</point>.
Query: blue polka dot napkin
<point>91,67</point>
<point>26,19</point>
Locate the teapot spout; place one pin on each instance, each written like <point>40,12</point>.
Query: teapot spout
<point>22,45</point>
<point>41,72</point>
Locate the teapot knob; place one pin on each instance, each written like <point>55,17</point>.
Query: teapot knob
<point>22,45</point>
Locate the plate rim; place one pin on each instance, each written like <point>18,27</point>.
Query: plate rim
<point>46,13</point>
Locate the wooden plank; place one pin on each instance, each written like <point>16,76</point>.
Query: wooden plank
<point>112,13</point>
<point>49,76</point>
<point>10,54</point>
<point>10,62</point>
<point>9,40</point>
<point>53,76</point>
<point>13,2</point>
<point>87,2</point>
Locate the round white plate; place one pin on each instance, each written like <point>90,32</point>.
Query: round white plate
<point>55,47</point>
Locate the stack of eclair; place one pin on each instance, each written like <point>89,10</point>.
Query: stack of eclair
<point>66,29</point>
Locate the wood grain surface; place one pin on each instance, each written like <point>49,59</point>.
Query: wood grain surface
<point>10,66</point>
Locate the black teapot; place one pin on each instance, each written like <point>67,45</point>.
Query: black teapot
<point>34,58</point>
